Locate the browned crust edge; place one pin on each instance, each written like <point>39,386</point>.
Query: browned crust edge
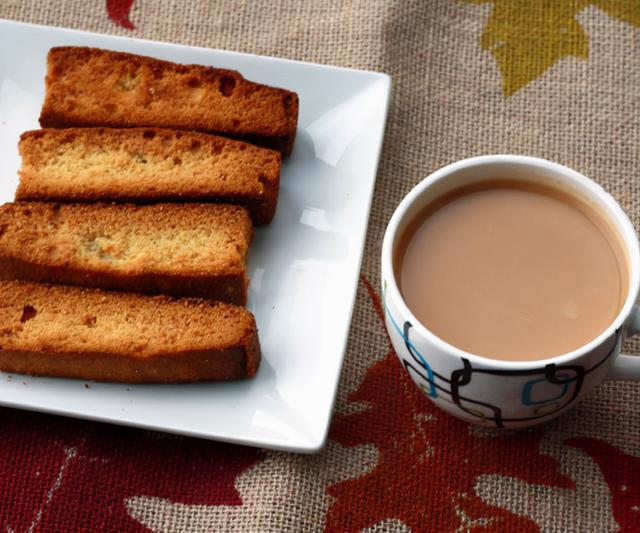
<point>206,365</point>
<point>262,210</point>
<point>284,144</point>
<point>231,288</point>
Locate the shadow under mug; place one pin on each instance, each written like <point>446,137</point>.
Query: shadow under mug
<point>490,392</point>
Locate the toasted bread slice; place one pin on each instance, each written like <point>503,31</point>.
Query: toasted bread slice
<point>94,87</point>
<point>175,249</point>
<point>53,330</point>
<point>147,165</point>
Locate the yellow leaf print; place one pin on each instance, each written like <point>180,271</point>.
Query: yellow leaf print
<point>526,37</point>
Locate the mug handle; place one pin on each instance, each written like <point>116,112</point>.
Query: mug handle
<point>628,366</point>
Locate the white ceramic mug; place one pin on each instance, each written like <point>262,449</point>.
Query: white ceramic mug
<point>507,393</point>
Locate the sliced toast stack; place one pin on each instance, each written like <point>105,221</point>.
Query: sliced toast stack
<point>124,255</point>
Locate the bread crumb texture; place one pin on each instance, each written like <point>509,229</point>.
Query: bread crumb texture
<point>38,317</point>
<point>147,164</point>
<point>127,239</point>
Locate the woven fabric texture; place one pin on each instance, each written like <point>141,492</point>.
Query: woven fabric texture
<point>558,80</point>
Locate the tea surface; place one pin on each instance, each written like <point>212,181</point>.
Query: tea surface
<point>512,270</point>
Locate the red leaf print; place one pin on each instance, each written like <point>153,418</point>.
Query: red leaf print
<point>622,474</point>
<point>68,475</point>
<point>428,461</point>
<point>118,11</point>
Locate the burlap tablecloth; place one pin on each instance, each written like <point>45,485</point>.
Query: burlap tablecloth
<point>557,79</point>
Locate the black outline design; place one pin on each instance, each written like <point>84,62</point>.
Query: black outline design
<point>463,376</point>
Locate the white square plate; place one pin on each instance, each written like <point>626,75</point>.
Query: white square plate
<point>303,266</point>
